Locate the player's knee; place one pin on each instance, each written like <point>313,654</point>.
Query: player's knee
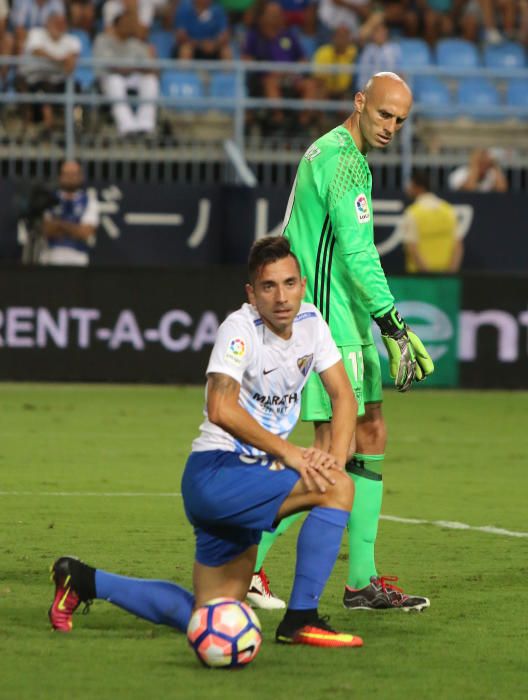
<point>372,434</point>
<point>378,429</point>
<point>341,494</point>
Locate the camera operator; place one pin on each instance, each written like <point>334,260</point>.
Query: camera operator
<point>70,226</point>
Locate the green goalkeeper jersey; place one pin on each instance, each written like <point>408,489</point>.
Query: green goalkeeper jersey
<point>329,224</point>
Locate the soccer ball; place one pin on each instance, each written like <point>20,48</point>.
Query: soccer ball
<point>224,633</point>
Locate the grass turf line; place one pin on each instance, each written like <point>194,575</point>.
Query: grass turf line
<point>452,456</point>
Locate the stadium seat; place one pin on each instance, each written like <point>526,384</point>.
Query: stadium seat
<point>309,45</point>
<point>414,53</point>
<point>478,92</point>
<point>434,98</point>
<point>84,75</point>
<point>163,41</point>
<point>223,85</point>
<point>84,38</point>
<point>457,53</point>
<point>506,55</point>
<point>184,85</point>
<point>517,94</point>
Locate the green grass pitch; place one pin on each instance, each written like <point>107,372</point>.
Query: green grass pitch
<point>452,456</point>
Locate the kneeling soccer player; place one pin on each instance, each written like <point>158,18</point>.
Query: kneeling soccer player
<point>243,475</point>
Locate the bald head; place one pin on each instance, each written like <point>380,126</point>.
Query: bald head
<point>383,84</point>
<point>381,109</point>
<point>70,176</point>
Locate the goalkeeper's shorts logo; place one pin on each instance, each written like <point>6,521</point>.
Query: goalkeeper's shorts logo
<point>362,209</point>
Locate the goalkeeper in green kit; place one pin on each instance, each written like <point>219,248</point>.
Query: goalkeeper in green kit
<point>329,223</point>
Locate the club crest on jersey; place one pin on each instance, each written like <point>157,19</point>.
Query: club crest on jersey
<point>236,350</point>
<point>362,209</point>
<point>304,363</point>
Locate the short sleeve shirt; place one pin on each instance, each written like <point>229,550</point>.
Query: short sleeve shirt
<point>271,371</point>
<point>209,24</point>
<point>284,47</point>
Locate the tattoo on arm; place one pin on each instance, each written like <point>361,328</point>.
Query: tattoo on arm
<point>223,384</point>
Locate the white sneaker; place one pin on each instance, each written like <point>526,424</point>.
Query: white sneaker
<point>260,594</point>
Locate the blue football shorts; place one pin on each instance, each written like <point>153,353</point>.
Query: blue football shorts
<point>230,499</point>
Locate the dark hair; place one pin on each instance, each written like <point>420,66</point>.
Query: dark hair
<point>268,250</point>
<point>421,178</point>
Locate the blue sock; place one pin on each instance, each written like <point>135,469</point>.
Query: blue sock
<point>317,549</point>
<point>161,602</point>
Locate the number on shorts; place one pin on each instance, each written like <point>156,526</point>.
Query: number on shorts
<point>356,358</point>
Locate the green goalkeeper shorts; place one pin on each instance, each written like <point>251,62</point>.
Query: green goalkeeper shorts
<point>363,368</point>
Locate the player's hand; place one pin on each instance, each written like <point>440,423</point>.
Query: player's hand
<point>424,363</point>
<point>408,358</point>
<point>314,466</point>
<point>318,474</point>
<point>319,459</point>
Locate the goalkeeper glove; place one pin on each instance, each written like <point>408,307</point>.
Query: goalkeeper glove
<point>408,358</point>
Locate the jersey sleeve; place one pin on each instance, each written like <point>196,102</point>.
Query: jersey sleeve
<point>347,192</point>
<point>91,213</point>
<point>233,350</point>
<point>349,209</point>
<point>326,352</point>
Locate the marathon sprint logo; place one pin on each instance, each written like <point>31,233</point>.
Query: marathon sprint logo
<point>274,401</point>
<point>89,328</point>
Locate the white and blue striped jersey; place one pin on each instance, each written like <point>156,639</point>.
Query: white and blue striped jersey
<point>271,372</point>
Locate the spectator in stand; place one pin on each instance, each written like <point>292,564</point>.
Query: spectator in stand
<point>302,14</point>
<point>440,19</point>
<point>55,54</point>
<point>116,81</point>
<point>71,225</point>
<point>487,16</point>
<point>483,174</point>
<point>431,235</point>
<point>144,10</point>
<point>523,22</point>
<point>341,51</point>
<point>6,39</point>
<point>271,40</point>
<point>81,15</point>
<point>380,55</point>
<point>202,31</point>
<point>239,11</point>
<point>26,14</point>
<point>347,13</point>
<point>402,16</point>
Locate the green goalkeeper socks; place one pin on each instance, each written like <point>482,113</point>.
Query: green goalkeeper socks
<point>268,538</point>
<point>365,470</point>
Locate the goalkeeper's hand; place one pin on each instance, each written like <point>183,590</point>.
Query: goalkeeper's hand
<point>408,358</point>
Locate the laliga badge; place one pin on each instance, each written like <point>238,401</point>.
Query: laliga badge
<point>362,209</point>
